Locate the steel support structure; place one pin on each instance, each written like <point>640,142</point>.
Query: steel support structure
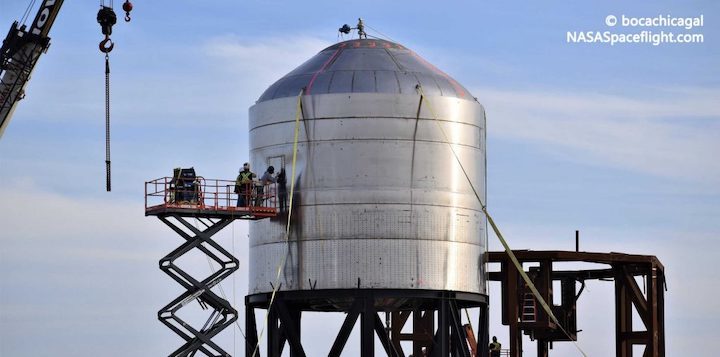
<point>625,270</point>
<point>650,308</point>
<point>221,313</point>
<point>437,328</point>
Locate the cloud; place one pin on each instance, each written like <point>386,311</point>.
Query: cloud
<point>175,87</point>
<point>670,135</point>
<point>77,267</point>
<point>260,62</point>
<point>218,84</point>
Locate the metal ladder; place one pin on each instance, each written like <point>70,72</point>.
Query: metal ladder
<point>529,308</point>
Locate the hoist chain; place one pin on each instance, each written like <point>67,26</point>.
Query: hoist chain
<point>107,121</point>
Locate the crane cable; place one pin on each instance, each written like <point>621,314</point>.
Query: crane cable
<point>386,37</point>
<point>504,243</point>
<point>276,285</point>
<point>26,14</point>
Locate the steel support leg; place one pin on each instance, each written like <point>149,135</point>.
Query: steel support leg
<point>459,338</point>
<point>346,329</point>
<point>222,314</point>
<point>444,329</point>
<point>483,331</point>
<point>423,328</point>
<point>367,328</point>
<point>542,348</point>
<point>251,339</point>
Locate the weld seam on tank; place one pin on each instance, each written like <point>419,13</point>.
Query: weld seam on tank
<point>368,118</point>
<point>363,140</point>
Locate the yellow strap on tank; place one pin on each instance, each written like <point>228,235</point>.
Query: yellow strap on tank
<point>298,116</point>
<point>276,286</point>
<point>502,240</point>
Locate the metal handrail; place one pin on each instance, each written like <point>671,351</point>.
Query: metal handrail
<point>209,194</point>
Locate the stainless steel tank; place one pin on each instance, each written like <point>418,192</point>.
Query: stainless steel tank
<point>380,200</point>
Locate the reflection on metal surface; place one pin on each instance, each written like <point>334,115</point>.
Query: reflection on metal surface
<point>365,66</point>
<point>380,200</point>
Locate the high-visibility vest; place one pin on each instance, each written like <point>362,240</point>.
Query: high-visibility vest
<point>245,177</point>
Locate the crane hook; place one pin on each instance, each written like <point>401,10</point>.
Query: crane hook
<point>127,7</point>
<point>106,18</point>
<point>106,45</point>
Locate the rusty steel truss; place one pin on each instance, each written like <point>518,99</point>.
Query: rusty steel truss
<point>523,314</point>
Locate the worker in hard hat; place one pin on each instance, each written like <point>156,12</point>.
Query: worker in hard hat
<point>266,179</point>
<point>494,347</point>
<point>244,185</point>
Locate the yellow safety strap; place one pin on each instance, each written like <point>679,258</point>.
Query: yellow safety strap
<point>298,116</point>
<point>504,243</point>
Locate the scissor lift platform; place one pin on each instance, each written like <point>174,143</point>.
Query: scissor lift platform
<point>245,213</point>
<point>196,209</point>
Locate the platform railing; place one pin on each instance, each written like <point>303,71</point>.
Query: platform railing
<point>209,194</point>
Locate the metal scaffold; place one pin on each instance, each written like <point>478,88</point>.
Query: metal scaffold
<point>522,315</point>
<point>222,314</point>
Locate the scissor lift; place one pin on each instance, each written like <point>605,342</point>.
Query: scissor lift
<point>211,203</point>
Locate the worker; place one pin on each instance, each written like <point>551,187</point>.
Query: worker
<point>282,189</point>
<point>361,29</point>
<point>244,185</point>
<point>266,179</point>
<point>494,347</point>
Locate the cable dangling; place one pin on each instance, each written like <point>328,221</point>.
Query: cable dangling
<point>106,18</point>
<point>107,122</point>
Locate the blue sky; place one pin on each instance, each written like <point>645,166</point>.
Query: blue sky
<point>619,142</point>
